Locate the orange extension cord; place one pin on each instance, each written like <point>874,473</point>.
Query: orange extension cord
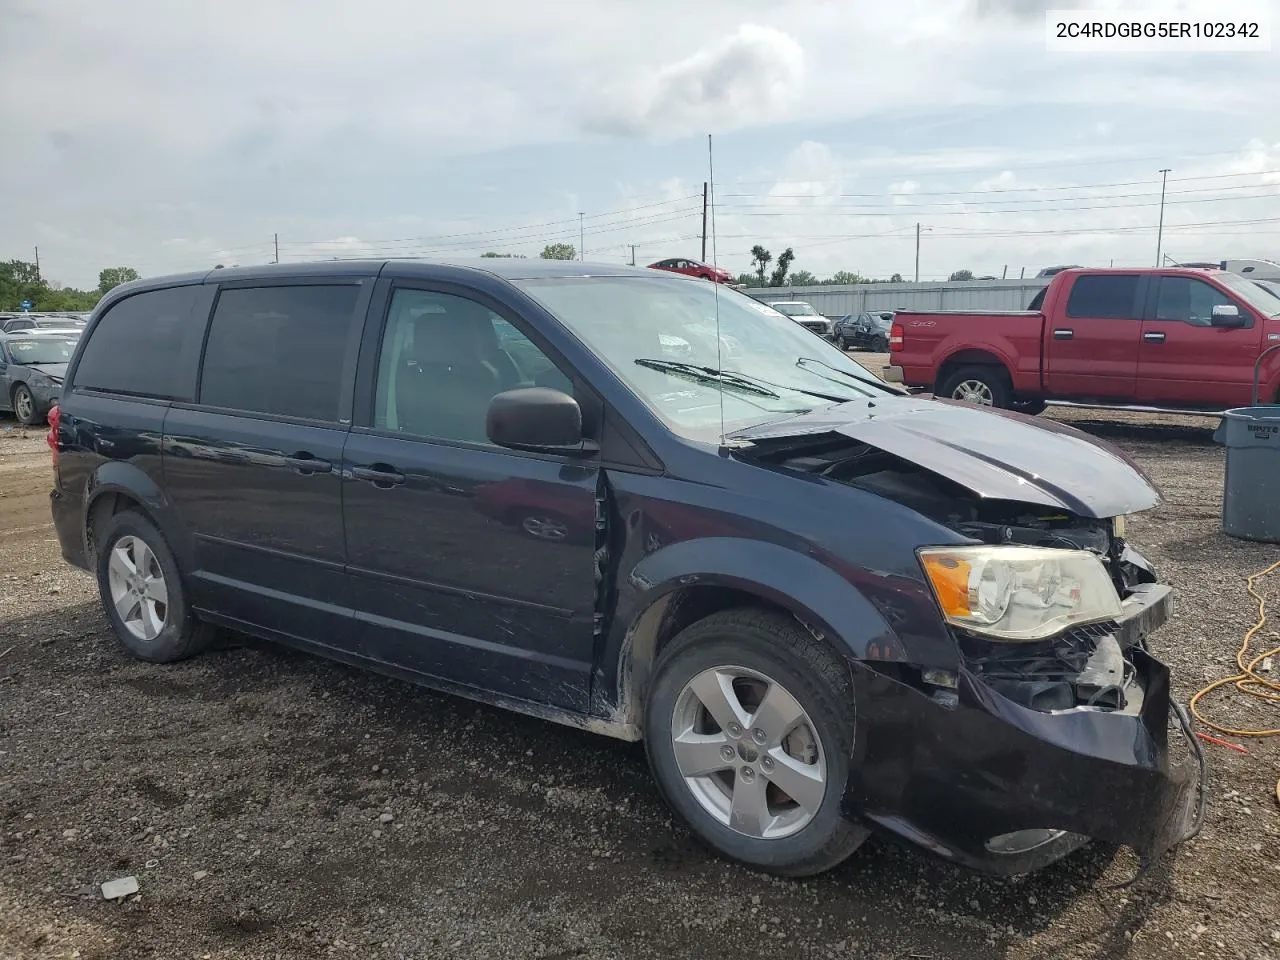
<point>1247,680</point>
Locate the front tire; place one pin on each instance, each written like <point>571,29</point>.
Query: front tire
<point>749,730</point>
<point>142,592</point>
<point>24,406</point>
<point>986,386</point>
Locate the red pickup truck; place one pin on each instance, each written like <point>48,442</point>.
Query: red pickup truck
<point>1165,339</point>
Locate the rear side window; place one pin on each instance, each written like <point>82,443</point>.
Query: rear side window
<point>134,346</point>
<point>1106,296</point>
<point>279,350</point>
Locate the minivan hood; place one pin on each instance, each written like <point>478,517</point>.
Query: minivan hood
<point>995,454</point>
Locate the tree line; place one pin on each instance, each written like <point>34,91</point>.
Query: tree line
<point>20,280</point>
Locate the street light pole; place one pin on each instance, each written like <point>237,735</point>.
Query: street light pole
<point>581,242</point>
<point>917,253</point>
<point>1164,178</point>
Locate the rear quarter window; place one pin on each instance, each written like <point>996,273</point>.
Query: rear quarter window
<point>134,347</point>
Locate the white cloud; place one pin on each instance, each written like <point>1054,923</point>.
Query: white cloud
<point>748,77</point>
<point>388,122</point>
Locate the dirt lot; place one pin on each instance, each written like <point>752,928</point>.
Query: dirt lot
<point>273,805</point>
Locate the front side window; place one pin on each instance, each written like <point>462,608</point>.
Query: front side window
<point>279,350</point>
<point>134,346</point>
<point>1104,297</point>
<point>444,358</point>
<point>659,336</point>
<point>1189,301</point>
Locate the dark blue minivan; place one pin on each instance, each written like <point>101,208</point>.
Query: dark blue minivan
<point>653,508</point>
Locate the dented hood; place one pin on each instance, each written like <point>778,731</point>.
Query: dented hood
<point>996,454</point>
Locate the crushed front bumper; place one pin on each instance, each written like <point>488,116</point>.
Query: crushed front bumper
<point>991,784</point>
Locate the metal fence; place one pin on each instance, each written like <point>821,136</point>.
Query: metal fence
<point>836,301</point>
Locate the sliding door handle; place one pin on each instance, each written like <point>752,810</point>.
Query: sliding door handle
<point>380,475</point>
<point>306,464</point>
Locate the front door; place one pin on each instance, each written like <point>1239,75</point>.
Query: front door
<point>253,465</point>
<point>1091,346</point>
<point>468,562</point>
<point>1184,359</point>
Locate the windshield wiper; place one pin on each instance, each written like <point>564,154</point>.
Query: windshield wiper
<point>805,363</point>
<point>708,375</point>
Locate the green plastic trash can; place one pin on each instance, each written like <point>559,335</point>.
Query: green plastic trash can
<point>1251,490</point>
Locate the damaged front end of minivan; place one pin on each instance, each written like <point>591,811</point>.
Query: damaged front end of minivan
<point>1056,725</point>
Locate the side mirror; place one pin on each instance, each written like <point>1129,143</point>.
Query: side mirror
<point>537,419</point>
<point>1227,315</point>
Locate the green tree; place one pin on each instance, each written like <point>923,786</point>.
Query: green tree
<point>114,276</point>
<point>779,276</point>
<point>844,277</point>
<point>760,259</point>
<point>559,251</point>
<point>961,275</point>
<point>748,280</point>
<point>803,278</point>
<point>896,278</point>
<point>512,256</point>
<point>19,280</point>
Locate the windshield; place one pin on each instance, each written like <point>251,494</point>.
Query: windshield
<point>1251,293</point>
<point>628,319</point>
<point>1270,287</point>
<point>41,351</point>
<point>795,309</point>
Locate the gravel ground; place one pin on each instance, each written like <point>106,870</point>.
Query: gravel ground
<point>274,805</point>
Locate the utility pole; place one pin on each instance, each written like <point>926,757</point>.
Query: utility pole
<point>582,252</point>
<point>277,236</point>
<point>1164,177</point>
<point>1005,272</point>
<point>917,253</point>
<point>37,263</point>
<point>633,254</point>
<point>704,221</point>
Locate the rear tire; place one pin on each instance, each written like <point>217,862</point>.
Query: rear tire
<point>881,345</point>
<point>797,735</point>
<point>984,385</point>
<point>1030,407</point>
<point>142,592</point>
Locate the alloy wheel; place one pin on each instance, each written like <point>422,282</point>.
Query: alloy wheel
<point>138,588</point>
<point>748,752</point>
<point>23,404</point>
<point>974,391</point>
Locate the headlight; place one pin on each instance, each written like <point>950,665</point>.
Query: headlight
<point>1010,593</point>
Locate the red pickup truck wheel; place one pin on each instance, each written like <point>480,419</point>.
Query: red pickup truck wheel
<point>987,386</point>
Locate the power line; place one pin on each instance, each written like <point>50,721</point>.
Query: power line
<point>1042,165</point>
<point>1027,189</point>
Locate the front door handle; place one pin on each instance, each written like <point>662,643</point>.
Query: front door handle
<point>1063,334</point>
<point>1153,337</point>
<point>380,475</point>
<point>306,464</point>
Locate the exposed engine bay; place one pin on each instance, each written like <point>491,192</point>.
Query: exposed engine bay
<point>1085,666</point>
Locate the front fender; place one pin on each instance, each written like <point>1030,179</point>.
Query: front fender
<point>814,593</point>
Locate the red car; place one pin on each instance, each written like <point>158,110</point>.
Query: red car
<point>1173,339</point>
<point>692,268</point>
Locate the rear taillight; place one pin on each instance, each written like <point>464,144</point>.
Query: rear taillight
<point>895,338</point>
<point>55,421</point>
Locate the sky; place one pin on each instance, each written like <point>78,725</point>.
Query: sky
<point>172,137</point>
